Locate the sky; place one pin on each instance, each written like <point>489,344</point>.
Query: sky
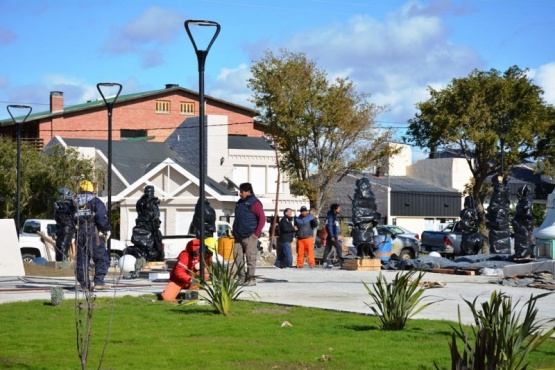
<point>392,49</point>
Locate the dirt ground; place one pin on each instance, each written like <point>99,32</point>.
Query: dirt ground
<point>32,269</point>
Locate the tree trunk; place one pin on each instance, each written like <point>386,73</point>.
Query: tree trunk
<point>274,221</point>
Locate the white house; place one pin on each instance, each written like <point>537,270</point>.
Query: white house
<point>230,161</point>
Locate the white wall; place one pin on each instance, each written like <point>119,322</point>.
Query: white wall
<point>444,172</point>
<point>398,163</point>
<point>217,148</point>
<point>256,167</point>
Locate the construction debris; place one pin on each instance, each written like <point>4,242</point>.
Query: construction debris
<point>540,280</point>
<point>431,284</point>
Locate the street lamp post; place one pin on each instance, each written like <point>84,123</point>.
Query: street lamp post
<point>109,102</point>
<point>504,129</point>
<point>502,142</point>
<point>18,134</point>
<point>201,58</point>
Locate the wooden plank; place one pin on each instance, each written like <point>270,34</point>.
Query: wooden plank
<point>444,271</point>
<point>369,268</point>
<point>364,264</point>
<point>465,272</point>
<point>454,272</point>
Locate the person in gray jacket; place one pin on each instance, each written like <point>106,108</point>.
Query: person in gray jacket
<point>306,223</point>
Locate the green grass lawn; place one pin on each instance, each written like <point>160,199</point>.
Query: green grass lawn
<point>149,334</point>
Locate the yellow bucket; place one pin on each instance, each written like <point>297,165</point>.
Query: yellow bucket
<point>225,248</point>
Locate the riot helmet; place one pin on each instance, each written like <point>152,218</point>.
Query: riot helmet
<point>65,193</point>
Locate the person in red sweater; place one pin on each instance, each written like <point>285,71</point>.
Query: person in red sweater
<point>188,264</point>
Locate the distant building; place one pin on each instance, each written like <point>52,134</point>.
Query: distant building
<point>429,193</point>
<point>155,140</point>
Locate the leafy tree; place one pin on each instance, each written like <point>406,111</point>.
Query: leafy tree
<point>475,113</point>
<point>545,151</point>
<point>42,173</point>
<point>322,129</point>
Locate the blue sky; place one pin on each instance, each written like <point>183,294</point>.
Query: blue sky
<point>392,49</point>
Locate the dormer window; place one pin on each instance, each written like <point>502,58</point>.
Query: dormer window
<point>162,106</point>
<point>187,108</point>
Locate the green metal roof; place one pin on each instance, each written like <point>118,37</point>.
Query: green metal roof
<point>121,99</point>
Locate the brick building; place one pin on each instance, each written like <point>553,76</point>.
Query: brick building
<point>155,142</point>
<point>155,115</point>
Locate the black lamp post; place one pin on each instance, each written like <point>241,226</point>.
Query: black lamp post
<point>504,129</point>
<point>502,144</point>
<point>201,58</point>
<point>109,102</point>
<point>18,134</point>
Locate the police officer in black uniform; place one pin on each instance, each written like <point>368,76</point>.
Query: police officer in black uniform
<point>64,214</point>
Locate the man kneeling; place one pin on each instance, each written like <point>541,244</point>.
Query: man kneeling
<point>185,270</point>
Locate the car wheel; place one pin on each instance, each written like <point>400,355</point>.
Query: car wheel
<point>406,254</point>
<point>28,257</point>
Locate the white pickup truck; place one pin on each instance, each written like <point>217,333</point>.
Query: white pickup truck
<point>32,245</point>
<point>174,244</point>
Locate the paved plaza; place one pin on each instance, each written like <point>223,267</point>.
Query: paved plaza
<point>332,289</point>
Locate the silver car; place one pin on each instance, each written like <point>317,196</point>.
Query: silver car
<point>404,245</point>
<point>399,230</point>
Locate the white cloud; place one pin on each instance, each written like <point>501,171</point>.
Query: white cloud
<point>157,25</point>
<point>394,59</point>
<point>145,34</point>
<point>231,85</point>
<point>545,77</point>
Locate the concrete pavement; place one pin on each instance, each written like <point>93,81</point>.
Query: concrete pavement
<point>332,289</point>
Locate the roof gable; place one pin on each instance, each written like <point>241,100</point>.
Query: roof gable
<point>136,161</point>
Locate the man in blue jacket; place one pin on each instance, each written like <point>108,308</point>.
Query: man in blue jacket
<point>332,227</point>
<point>306,223</point>
<point>247,228</point>
<point>91,221</point>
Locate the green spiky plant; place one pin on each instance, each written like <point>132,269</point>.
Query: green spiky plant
<point>224,286</point>
<point>56,295</point>
<point>500,340</point>
<point>395,302</point>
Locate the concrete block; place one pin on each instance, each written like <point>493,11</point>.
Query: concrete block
<point>11,263</point>
<point>528,268</point>
<point>159,276</point>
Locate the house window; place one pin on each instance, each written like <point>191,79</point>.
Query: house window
<point>129,134</point>
<point>162,106</point>
<point>187,108</point>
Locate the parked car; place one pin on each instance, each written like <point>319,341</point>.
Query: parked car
<point>445,242</point>
<point>174,244</point>
<point>399,230</point>
<point>32,245</point>
<point>404,246</point>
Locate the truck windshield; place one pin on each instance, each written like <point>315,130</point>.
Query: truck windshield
<point>51,229</point>
<point>222,230</point>
<point>31,227</point>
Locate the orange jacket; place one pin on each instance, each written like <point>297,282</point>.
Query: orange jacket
<point>186,262</point>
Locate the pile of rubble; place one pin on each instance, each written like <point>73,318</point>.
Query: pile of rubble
<point>540,280</point>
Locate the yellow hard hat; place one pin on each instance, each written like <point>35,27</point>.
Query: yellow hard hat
<point>211,244</point>
<point>86,185</point>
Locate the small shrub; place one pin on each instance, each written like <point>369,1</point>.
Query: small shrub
<point>395,302</point>
<point>500,340</point>
<point>224,286</point>
<point>56,295</point>
<point>344,228</point>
